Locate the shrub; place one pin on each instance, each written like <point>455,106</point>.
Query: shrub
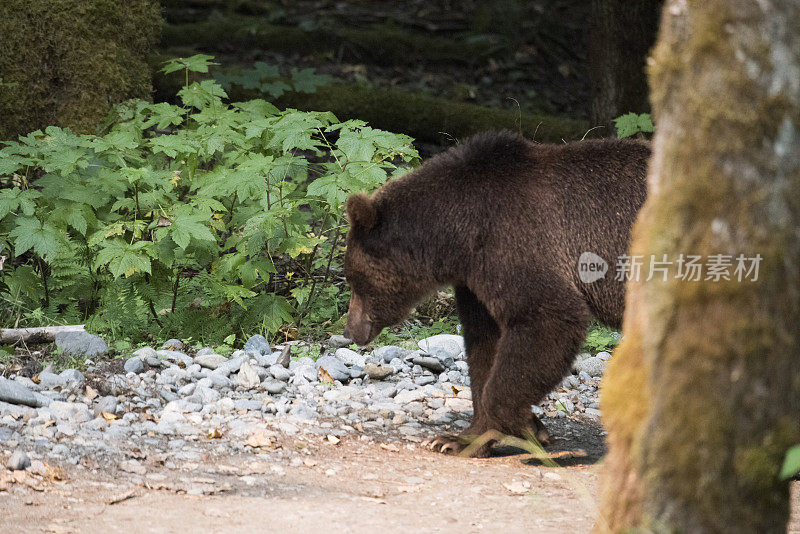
<point>199,219</point>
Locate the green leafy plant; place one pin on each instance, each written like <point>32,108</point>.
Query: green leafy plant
<point>632,124</point>
<point>601,338</point>
<point>202,218</point>
<point>791,463</point>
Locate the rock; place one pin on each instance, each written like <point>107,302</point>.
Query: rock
<point>406,396</point>
<point>19,461</point>
<point>350,357</point>
<point>443,346</point>
<point>389,353</point>
<point>134,365</point>
<point>206,395</point>
<point>266,360</point>
<point>210,361</point>
<point>248,376</point>
<point>565,405</point>
<point>172,344</point>
<point>70,412</point>
<point>429,362</point>
<point>424,380</point>
<point>285,356</point>
<point>605,356</point>
<point>378,372</point>
<point>48,380</point>
<point>106,404</point>
<point>592,366</point>
<point>334,367</point>
<point>203,352</point>
<point>280,372</point>
<point>82,343</point>
<point>14,393</point>
<point>338,341</point>
<point>175,357</point>
<point>257,343</point>
<point>72,377</point>
<point>145,352</point>
<point>458,405</point>
<point>273,386</point>
<point>132,466</point>
<point>231,366</point>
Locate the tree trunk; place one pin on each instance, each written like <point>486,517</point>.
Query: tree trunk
<point>702,399</point>
<point>620,36</point>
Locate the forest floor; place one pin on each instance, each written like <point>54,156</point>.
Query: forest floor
<point>357,485</point>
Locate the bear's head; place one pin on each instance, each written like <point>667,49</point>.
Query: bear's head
<point>385,280</point>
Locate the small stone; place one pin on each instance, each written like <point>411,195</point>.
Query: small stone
<point>72,412</point>
<point>280,372</point>
<point>82,343</point>
<point>443,346</point>
<point>592,366</point>
<point>273,386</point>
<point>48,380</point>
<point>134,365</point>
<point>350,357</point>
<point>72,377</point>
<point>203,352</point>
<point>605,356</point>
<point>334,367</point>
<point>210,361</point>
<point>14,393</point>
<point>19,461</point>
<point>285,357</point>
<point>132,466</point>
<point>337,341</point>
<point>106,404</point>
<point>231,366</point>
<point>424,380</point>
<point>173,344</point>
<point>175,357</point>
<point>248,376</point>
<point>378,372</point>
<point>145,352</point>
<point>429,362</point>
<point>389,353</point>
<point>257,343</point>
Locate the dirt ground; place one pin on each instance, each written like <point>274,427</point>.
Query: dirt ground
<point>310,484</point>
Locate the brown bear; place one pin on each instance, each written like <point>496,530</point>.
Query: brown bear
<point>504,221</point>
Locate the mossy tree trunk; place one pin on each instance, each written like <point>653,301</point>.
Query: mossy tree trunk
<point>702,398</point>
<point>620,36</point>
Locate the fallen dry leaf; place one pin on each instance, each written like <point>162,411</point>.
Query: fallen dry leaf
<point>333,439</point>
<point>108,416</point>
<point>359,427</point>
<point>310,462</point>
<point>214,433</point>
<point>35,379</point>
<point>91,393</point>
<point>373,499</point>
<point>391,447</point>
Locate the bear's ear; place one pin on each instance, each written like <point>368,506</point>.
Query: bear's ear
<point>361,212</point>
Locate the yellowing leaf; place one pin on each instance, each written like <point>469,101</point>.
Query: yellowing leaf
<point>108,416</point>
<point>324,376</point>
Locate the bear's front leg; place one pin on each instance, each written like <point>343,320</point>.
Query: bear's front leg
<point>532,356</point>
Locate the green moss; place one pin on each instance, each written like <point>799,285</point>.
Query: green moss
<point>71,61</point>
<point>425,118</point>
<point>386,45</point>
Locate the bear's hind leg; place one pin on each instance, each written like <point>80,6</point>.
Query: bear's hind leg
<point>481,335</point>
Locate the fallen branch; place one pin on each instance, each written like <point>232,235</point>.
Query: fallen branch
<point>41,334</point>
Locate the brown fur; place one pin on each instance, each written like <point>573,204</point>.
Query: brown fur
<point>503,220</point>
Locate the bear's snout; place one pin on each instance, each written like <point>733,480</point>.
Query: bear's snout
<point>359,325</point>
